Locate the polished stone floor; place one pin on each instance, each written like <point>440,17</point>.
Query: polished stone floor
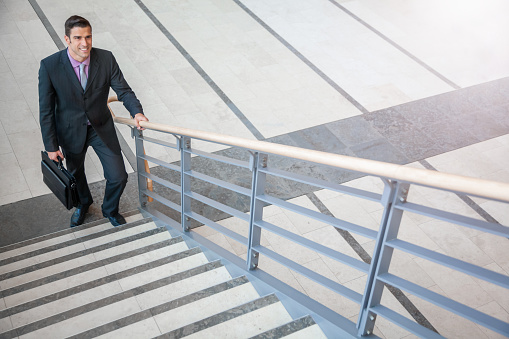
<point>423,84</point>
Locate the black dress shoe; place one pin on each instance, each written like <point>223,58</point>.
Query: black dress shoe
<point>117,220</point>
<point>79,215</point>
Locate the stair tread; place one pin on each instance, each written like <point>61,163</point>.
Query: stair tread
<point>118,326</point>
<point>187,315</point>
<point>73,245</point>
<point>287,328</point>
<point>314,332</point>
<point>146,328</point>
<point>191,285</point>
<point>84,259</point>
<point>131,216</point>
<point>90,319</point>
<point>85,280</point>
<point>249,324</point>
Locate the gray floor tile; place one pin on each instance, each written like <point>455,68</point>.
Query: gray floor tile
<point>353,131</point>
<point>380,150</point>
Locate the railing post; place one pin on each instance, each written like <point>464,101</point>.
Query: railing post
<point>256,208</point>
<point>185,181</point>
<point>140,165</point>
<point>382,255</point>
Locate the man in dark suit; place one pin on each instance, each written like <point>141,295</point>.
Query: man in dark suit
<point>73,91</point>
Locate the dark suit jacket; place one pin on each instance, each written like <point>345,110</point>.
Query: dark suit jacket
<point>64,107</point>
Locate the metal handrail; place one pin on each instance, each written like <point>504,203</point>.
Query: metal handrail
<point>445,181</point>
<point>397,180</point>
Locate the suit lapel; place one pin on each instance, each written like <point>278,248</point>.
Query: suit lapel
<point>67,67</point>
<point>92,68</point>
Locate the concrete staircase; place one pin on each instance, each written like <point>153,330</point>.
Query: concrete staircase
<point>133,281</point>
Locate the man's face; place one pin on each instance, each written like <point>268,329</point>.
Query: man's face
<point>80,43</point>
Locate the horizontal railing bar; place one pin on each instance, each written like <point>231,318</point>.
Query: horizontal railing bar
<point>453,263</point>
<point>217,205</point>
<point>322,184</point>
<point>159,142</point>
<point>219,182</point>
<point>214,225</point>
<point>220,158</point>
<point>160,181</point>
<point>160,162</point>
<point>467,312</point>
<point>162,200</point>
<point>341,257</point>
<point>344,225</point>
<point>320,279</point>
<point>462,220</point>
<point>445,181</point>
<point>405,323</point>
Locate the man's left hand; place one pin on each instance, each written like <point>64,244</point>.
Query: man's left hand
<point>139,117</point>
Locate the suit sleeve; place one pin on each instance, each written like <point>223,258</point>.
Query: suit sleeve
<point>123,91</point>
<point>47,110</point>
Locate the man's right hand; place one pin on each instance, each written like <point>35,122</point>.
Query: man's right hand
<point>54,155</point>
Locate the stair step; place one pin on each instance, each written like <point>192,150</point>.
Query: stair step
<point>53,316</point>
<point>292,328</point>
<point>212,326</point>
<point>85,277</point>
<point>36,277</point>
<point>99,252</point>
<point>143,322</point>
<point>314,332</point>
<point>48,239</point>
<point>251,323</point>
<point>39,308</point>
<point>188,315</point>
<point>73,245</point>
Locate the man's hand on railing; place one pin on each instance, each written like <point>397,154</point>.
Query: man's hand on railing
<point>54,155</point>
<point>139,117</point>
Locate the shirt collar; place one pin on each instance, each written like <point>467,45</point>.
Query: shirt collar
<point>76,63</point>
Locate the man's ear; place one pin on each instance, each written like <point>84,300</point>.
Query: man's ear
<point>67,39</point>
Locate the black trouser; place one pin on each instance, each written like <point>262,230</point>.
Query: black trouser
<point>114,173</point>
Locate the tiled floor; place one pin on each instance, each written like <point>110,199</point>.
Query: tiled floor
<point>408,82</point>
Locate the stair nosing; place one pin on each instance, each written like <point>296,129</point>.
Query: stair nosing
<point>287,329</point>
<point>165,307</point>
<point>82,253</point>
<point>56,234</point>
<point>75,241</point>
<point>222,317</point>
<point>90,307</point>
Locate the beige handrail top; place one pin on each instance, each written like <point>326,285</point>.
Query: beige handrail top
<point>473,186</point>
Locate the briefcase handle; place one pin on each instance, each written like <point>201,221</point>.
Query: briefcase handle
<point>60,165</point>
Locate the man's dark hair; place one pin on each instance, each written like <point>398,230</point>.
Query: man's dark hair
<point>75,21</point>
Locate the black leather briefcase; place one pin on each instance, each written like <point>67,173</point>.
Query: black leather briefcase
<point>59,181</point>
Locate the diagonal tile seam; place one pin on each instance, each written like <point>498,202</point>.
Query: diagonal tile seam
<point>201,72</point>
<point>292,49</point>
<point>363,254</point>
<point>395,45</point>
<point>466,199</point>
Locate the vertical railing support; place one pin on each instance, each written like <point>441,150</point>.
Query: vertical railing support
<point>140,165</point>
<point>256,208</point>
<point>184,144</point>
<point>382,255</point>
